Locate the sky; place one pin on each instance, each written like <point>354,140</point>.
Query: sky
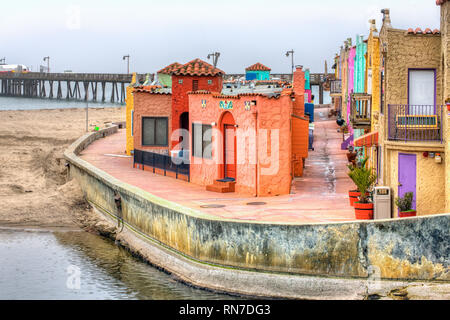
<point>93,36</point>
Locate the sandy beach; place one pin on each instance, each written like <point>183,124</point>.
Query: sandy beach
<point>34,191</point>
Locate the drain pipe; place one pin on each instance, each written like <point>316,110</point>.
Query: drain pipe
<point>256,155</point>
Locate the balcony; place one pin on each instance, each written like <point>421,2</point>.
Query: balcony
<point>360,110</point>
<point>335,87</point>
<point>415,123</point>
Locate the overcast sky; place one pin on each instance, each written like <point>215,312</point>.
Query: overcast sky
<point>93,35</point>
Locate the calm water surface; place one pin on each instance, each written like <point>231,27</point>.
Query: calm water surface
<point>39,265</point>
<point>42,265</point>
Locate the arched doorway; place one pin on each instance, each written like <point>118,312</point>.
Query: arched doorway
<point>184,125</point>
<point>228,129</point>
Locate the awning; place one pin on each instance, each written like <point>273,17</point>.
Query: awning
<point>367,140</point>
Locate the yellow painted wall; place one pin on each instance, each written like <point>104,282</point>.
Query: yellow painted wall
<point>373,63</point>
<point>445,52</point>
<point>430,184</point>
<point>129,107</point>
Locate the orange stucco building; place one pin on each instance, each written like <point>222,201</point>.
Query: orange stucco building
<point>249,143</point>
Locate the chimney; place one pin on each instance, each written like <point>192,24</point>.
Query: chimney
<point>298,85</point>
<point>373,26</point>
<point>386,18</point>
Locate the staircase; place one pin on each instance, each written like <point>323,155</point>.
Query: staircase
<point>346,143</point>
<point>222,185</point>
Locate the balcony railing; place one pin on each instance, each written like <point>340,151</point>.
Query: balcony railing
<point>415,122</point>
<point>335,87</point>
<point>360,109</point>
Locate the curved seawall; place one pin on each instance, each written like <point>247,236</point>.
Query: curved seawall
<point>397,249</point>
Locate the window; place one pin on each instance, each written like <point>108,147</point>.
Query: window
<point>209,81</point>
<point>421,91</point>
<point>194,85</point>
<point>180,81</point>
<point>201,140</point>
<point>155,131</point>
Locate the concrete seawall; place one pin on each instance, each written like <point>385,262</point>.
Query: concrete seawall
<point>398,249</point>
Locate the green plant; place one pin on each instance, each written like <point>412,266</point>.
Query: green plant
<point>404,203</point>
<point>363,178</point>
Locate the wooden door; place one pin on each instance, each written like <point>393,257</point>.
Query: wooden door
<point>229,151</point>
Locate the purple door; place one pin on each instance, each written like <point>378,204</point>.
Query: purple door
<point>407,175</point>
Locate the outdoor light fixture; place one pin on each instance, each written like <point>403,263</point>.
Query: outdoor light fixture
<point>215,56</point>
<point>213,124</point>
<point>291,52</point>
<point>128,62</point>
<point>48,63</point>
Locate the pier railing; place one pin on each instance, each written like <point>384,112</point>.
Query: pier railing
<point>415,122</point>
<point>162,162</point>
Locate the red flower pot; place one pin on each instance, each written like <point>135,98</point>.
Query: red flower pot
<point>353,196</point>
<point>363,211</point>
<point>410,213</point>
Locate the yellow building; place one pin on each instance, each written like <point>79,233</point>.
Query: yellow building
<point>129,114</point>
<point>411,123</point>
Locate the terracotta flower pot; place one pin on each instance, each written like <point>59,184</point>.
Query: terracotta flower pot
<point>353,195</point>
<point>351,156</point>
<point>409,213</point>
<point>363,211</point>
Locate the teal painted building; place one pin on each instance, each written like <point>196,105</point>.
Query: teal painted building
<point>258,71</point>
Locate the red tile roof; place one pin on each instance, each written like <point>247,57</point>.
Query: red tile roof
<point>197,67</point>
<point>170,68</point>
<point>419,31</point>
<point>257,67</point>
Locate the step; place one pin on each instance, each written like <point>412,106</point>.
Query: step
<point>221,186</point>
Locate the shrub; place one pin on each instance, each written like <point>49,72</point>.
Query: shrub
<point>404,203</point>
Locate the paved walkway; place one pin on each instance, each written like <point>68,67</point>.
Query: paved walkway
<point>321,195</point>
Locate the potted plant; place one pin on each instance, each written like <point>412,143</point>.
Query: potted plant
<point>354,194</point>
<point>404,205</point>
<point>351,155</point>
<point>364,179</point>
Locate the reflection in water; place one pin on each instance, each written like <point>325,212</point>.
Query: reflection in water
<point>34,265</point>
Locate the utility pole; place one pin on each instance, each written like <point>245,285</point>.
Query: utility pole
<point>48,63</point>
<point>215,56</point>
<point>128,62</point>
<point>87,109</point>
<point>291,52</point>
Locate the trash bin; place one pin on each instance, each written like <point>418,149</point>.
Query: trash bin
<point>382,203</point>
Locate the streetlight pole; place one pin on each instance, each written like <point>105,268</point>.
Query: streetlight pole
<point>291,52</point>
<point>48,63</point>
<point>215,56</point>
<point>128,62</point>
<point>87,109</point>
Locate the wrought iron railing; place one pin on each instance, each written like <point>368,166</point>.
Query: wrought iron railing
<point>361,109</point>
<point>415,122</point>
<point>335,86</point>
<point>162,162</point>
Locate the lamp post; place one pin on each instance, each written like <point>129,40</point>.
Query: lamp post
<point>291,52</point>
<point>128,62</point>
<point>3,60</point>
<point>48,63</point>
<point>215,56</point>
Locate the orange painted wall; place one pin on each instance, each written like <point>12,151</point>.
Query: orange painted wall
<point>274,170</point>
<point>300,132</point>
<point>151,105</point>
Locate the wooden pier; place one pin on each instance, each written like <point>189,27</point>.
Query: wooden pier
<point>66,85</point>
